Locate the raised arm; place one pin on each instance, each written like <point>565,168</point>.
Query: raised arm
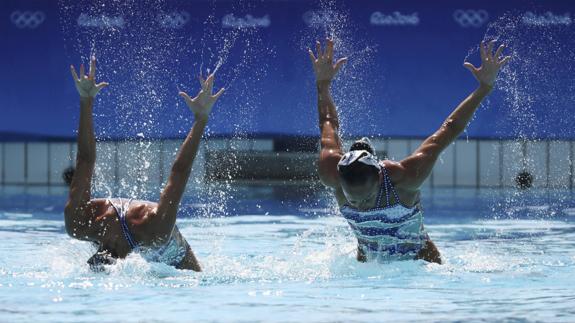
<point>79,212</point>
<point>331,150</point>
<point>418,166</point>
<point>170,198</point>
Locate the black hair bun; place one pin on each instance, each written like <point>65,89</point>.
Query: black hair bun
<point>363,144</point>
<point>68,174</point>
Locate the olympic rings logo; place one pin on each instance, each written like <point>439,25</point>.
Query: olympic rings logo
<point>174,20</point>
<point>470,18</point>
<point>27,19</point>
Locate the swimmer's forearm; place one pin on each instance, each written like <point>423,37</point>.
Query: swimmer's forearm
<point>461,116</point>
<point>331,150</point>
<point>189,149</point>
<point>325,105</point>
<point>328,119</point>
<point>86,137</point>
<point>181,169</point>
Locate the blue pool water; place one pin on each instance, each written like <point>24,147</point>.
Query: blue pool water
<point>282,255</point>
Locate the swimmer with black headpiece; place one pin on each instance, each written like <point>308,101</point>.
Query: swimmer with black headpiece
<point>119,226</point>
<point>380,198</point>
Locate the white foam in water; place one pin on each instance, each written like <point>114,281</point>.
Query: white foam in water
<point>252,262</point>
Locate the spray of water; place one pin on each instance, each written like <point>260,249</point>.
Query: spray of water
<point>537,82</point>
<point>144,54</point>
<point>351,93</point>
<point>351,88</point>
<point>134,52</point>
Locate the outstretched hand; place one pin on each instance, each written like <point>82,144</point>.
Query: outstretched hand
<point>323,65</point>
<point>202,104</point>
<point>491,63</point>
<point>86,84</point>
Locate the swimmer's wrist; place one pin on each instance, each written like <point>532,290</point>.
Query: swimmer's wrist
<point>201,118</point>
<point>86,99</point>
<point>485,88</point>
<point>323,83</point>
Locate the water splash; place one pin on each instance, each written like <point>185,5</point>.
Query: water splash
<point>143,52</point>
<point>540,66</point>
<point>536,82</point>
<point>352,84</point>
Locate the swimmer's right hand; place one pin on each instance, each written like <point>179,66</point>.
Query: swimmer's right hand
<point>202,104</point>
<point>323,65</point>
<point>86,84</point>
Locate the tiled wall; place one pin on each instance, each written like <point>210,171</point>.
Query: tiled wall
<point>466,163</point>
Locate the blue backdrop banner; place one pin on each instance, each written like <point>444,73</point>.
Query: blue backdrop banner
<point>404,74</point>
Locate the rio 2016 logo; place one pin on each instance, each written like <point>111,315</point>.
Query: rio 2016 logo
<point>248,21</point>
<point>546,19</point>
<point>395,18</point>
<point>102,21</point>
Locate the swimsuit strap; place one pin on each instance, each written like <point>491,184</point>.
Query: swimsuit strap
<point>123,222</point>
<point>390,185</point>
<point>384,184</point>
<point>380,194</point>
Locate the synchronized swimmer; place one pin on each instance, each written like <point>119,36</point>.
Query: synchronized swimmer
<point>380,199</point>
<point>119,226</point>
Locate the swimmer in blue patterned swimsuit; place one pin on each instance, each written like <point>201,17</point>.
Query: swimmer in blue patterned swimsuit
<point>380,198</point>
<point>121,226</point>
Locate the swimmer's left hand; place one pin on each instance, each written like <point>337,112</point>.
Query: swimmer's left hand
<point>86,84</point>
<point>202,104</point>
<point>323,65</point>
<point>491,63</point>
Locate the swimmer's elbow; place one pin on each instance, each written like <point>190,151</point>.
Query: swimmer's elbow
<point>453,126</point>
<point>181,169</point>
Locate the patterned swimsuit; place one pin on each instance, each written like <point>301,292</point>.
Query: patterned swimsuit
<point>393,232</point>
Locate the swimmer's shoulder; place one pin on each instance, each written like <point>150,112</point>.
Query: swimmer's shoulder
<point>400,179</point>
<point>395,170</point>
